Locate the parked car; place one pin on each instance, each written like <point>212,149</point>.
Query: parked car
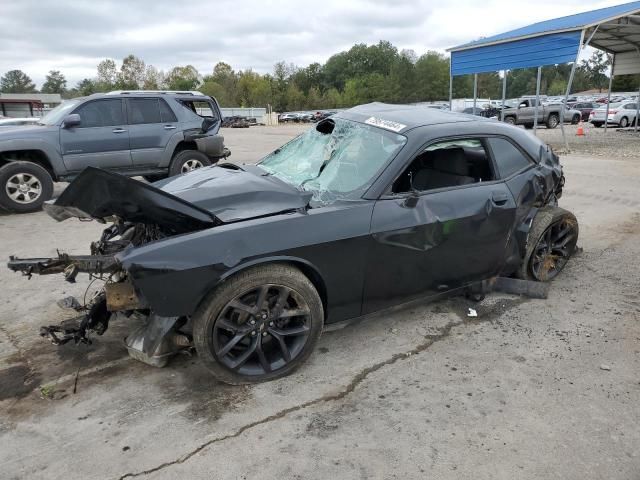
<point>374,207</point>
<point>288,117</point>
<point>620,114</point>
<point>472,111</point>
<point>18,122</point>
<point>322,115</point>
<point>548,115</point>
<point>153,134</point>
<point>585,109</point>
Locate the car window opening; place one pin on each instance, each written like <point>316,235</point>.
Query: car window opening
<point>200,108</point>
<point>447,164</point>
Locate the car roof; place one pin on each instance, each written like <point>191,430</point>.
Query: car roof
<point>401,118</point>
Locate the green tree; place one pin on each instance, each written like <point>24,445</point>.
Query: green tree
<point>153,79</point>
<point>16,81</point>
<point>596,66</point>
<point>107,75</point>
<point>85,87</point>
<point>132,73</point>
<point>432,77</point>
<point>183,78</point>
<point>54,83</point>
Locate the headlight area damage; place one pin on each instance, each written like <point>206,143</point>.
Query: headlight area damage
<point>139,214</point>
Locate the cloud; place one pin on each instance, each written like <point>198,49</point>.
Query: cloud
<point>73,36</point>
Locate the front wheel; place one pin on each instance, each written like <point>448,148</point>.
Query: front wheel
<point>510,120</point>
<point>24,187</point>
<point>552,241</point>
<point>187,161</point>
<point>575,120</point>
<point>259,325</point>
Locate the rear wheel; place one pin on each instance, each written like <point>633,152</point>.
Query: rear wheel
<point>624,122</point>
<point>597,125</point>
<point>553,121</point>
<point>24,187</point>
<point>187,161</point>
<point>259,325</point>
<point>552,241</point>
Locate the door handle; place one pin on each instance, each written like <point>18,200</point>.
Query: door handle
<point>169,127</point>
<point>499,198</point>
<point>118,130</point>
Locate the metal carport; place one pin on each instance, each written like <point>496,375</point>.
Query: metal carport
<point>615,30</point>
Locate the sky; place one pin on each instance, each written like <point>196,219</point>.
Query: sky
<point>73,36</point>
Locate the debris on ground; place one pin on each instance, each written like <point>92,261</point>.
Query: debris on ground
<point>472,313</point>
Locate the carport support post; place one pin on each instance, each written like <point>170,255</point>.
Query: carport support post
<point>535,118</point>
<point>566,99</point>
<point>475,92</point>
<point>606,117</point>
<point>637,111</point>
<point>450,92</point>
<point>504,94</point>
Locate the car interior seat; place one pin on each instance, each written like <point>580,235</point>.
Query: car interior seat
<point>443,168</point>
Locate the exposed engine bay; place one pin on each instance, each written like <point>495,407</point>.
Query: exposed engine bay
<point>117,297</point>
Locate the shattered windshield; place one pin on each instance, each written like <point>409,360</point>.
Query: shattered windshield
<point>338,159</point>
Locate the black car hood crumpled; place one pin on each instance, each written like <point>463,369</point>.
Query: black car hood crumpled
<point>200,199</point>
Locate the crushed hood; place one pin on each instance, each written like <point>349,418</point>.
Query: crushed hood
<point>233,194</point>
<point>201,199</point>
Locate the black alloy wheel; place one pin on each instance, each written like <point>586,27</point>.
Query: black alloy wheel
<point>553,239</point>
<point>260,324</point>
<point>262,330</point>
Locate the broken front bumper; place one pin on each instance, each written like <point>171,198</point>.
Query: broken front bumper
<point>69,265</point>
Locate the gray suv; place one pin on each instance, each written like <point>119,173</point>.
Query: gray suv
<point>153,134</point>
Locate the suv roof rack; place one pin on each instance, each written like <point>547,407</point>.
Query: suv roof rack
<point>155,92</point>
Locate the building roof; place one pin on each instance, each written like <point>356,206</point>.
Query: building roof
<point>614,29</point>
<point>577,22</point>
<point>38,97</point>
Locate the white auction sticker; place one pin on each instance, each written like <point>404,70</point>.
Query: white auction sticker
<point>387,124</point>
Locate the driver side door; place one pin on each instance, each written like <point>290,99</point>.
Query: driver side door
<point>432,241</point>
<point>101,139</point>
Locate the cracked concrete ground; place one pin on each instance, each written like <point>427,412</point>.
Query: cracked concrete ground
<point>519,392</point>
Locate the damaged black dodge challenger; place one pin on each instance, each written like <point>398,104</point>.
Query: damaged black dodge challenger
<point>374,207</point>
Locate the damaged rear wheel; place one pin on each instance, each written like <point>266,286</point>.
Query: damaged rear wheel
<point>259,325</point>
<point>552,241</point>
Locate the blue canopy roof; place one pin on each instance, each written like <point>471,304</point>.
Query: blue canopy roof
<point>548,43</point>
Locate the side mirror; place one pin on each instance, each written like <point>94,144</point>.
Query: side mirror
<point>71,121</point>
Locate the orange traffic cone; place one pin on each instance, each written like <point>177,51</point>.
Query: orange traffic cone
<point>580,132</point>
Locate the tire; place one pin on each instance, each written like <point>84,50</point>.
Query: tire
<point>528,126</point>
<point>624,122</point>
<point>510,120</point>
<point>576,119</point>
<point>24,187</point>
<point>597,125</point>
<point>553,121</point>
<point>188,160</point>
<point>218,322</point>
<point>546,266</point>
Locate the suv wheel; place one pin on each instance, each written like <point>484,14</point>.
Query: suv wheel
<point>510,120</point>
<point>24,187</point>
<point>188,160</point>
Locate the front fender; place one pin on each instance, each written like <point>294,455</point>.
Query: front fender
<point>51,151</point>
